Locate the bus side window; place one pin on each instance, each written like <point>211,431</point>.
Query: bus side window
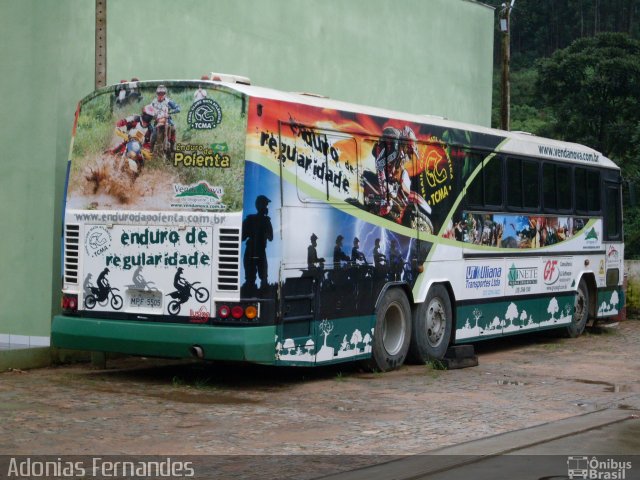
<point>492,173</point>
<point>485,190</point>
<point>324,159</point>
<point>587,188</point>
<point>557,187</point>
<point>475,190</point>
<point>613,209</point>
<point>523,184</point>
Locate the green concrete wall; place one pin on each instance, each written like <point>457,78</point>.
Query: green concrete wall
<point>418,56</point>
<point>421,56</point>
<point>46,53</point>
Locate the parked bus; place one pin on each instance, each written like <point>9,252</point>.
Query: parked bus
<point>226,221</point>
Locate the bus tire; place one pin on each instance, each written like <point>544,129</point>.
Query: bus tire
<point>432,326</point>
<point>580,311</point>
<point>392,331</point>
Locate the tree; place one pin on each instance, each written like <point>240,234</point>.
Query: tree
<point>326,328</point>
<point>356,338</point>
<point>553,308</point>
<point>289,345</point>
<point>512,312</point>
<point>592,88</point>
<point>523,318</point>
<point>309,346</point>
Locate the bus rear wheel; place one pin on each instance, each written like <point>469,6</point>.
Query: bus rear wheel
<point>432,326</point>
<point>392,331</point>
<point>580,311</point>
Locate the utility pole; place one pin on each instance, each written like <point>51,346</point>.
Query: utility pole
<point>99,359</point>
<point>101,44</point>
<point>505,27</point>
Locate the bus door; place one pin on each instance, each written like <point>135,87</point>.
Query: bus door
<point>296,329</point>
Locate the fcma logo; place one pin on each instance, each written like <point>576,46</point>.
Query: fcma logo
<point>204,114</point>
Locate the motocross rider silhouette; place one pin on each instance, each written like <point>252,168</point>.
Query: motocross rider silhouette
<point>164,107</point>
<point>314,263</point>
<point>181,285</point>
<point>103,285</point>
<point>356,253</point>
<point>257,230</point>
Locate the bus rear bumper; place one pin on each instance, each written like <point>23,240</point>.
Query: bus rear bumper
<point>168,340</point>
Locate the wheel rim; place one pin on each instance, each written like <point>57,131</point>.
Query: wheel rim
<point>436,322</point>
<point>393,329</point>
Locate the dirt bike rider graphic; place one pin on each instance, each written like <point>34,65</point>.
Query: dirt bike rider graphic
<point>164,107</point>
<point>182,287</point>
<point>103,286</point>
<point>183,292</point>
<point>136,132</point>
<point>391,153</point>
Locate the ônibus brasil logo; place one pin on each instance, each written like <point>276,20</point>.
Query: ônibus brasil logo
<point>204,114</point>
<point>597,469</point>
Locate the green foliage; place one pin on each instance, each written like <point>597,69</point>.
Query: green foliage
<point>528,113</point>
<point>540,27</point>
<point>587,90</point>
<point>593,89</point>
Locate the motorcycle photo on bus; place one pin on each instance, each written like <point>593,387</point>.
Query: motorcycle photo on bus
<point>241,223</point>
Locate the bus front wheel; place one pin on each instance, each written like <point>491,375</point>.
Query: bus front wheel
<point>392,331</point>
<point>432,326</point>
<point>580,311</point>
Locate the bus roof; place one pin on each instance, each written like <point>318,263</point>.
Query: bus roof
<point>516,143</point>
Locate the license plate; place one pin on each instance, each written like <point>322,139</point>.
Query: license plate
<point>149,301</point>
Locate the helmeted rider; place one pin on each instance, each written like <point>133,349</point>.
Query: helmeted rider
<point>138,129</point>
<point>357,255</point>
<point>164,107</point>
<point>103,285</point>
<point>181,285</point>
<point>395,149</point>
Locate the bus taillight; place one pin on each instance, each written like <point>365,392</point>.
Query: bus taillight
<point>238,311</point>
<point>69,303</point>
<point>224,311</point>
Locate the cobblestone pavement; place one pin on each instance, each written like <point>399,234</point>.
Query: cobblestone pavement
<point>143,406</point>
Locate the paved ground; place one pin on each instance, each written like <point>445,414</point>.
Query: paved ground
<point>142,406</point>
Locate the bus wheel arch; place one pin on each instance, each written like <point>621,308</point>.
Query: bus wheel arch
<point>392,330</point>
<point>433,325</point>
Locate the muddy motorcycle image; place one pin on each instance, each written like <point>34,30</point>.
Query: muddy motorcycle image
<point>410,210</point>
<point>163,138</point>
<point>201,294</point>
<point>101,296</point>
<point>132,159</point>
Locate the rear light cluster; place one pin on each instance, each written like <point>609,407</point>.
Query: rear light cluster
<point>237,311</point>
<point>69,303</point>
